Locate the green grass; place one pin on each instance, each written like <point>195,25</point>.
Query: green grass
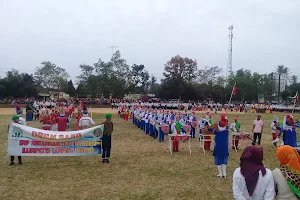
<point>140,168</point>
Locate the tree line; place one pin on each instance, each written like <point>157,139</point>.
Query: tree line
<point>182,79</point>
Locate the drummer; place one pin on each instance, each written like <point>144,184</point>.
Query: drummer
<point>193,121</point>
<point>235,128</point>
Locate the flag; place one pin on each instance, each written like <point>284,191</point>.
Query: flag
<point>233,89</point>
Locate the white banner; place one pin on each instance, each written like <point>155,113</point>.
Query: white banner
<point>28,141</point>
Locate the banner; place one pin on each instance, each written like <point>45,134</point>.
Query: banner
<point>28,141</point>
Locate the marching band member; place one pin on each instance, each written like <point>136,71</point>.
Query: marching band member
<point>142,124</point>
<point>275,123</point>
<point>176,128</point>
<point>161,133</point>
<point>146,124</point>
<point>207,143</point>
<point>235,128</point>
<point>221,152</point>
<point>46,120</point>
<point>289,132</point>
<point>155,135</point>
<point>53,117</point>
<point>202,123</point>
<point>192,122</point>
<point>85,121</point>
<point>62,120</point>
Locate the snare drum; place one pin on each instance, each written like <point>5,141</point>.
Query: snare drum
<point>186,128</point>
<point>46,127</point>
<point>165,129</point>
<point>194,124</point>
<point>244,136</point>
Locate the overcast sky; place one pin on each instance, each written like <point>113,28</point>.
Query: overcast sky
<point>149,32</point>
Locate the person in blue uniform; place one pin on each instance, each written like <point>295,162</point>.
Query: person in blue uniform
<point>221,152</point>
<point>193,121</point>
<point>288,131</point>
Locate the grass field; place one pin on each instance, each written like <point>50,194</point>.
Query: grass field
<point>140,168</point>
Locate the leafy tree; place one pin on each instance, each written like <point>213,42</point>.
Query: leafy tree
<point>139,79</point>
<point>86,71</point>
<point>50,76</point>
<point>17,85</point>
<point>179,70</point>
<point>71,89</point>
<point>285,94</point>
<point>209,74</point>
<point>282,69</point>
<point>294,79</point>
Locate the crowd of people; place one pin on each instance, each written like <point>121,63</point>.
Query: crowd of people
<point>251,180</point>
<point>164,104</point>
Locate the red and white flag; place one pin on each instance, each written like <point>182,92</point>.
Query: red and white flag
<point>234,90</point>
<point>296,97</point>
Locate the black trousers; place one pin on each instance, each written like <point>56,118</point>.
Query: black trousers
<point>106,146</point>
<point>255,137</point>
<point>12,158</point>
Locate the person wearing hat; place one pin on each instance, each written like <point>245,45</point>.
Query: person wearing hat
<point>19,112</point>
<point>221,152</point>
<point>85,121</point>
<point>106,139</point>
<point>288,131</point>
<point>15,119</point>
<point>235,128</point>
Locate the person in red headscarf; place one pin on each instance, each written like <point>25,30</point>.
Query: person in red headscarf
<point>252,180</point>
<point>221,152</point>
<point>288,130</point>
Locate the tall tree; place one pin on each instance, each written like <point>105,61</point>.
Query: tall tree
<point>282,69</point>
<point>71,89</point>
<point>209,74</point>
<point>179,70</point>
<point>50,76</point>
<point>86,72</point>
<point>17,85</point>
<point>139,79</point>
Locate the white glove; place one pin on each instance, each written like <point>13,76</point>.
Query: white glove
<point>276,141</point>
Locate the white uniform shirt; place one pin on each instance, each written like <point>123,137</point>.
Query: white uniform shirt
<point>173,129</point>
<point>264,189</point>
<point>86,121</point>
<point>146,118</point>
<point>233,127</point>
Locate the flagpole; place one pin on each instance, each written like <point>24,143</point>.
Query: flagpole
<point>295,102</point>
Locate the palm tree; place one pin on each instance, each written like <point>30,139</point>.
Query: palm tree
<point>281,69</point>
<point>294,79</point>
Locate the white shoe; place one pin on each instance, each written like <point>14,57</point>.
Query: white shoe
<point>223,167</point>
<point>220,171</point>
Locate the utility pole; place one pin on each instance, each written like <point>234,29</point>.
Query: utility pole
<point>279,77</point>
<point>112,47</point>
<point>229,64</point>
